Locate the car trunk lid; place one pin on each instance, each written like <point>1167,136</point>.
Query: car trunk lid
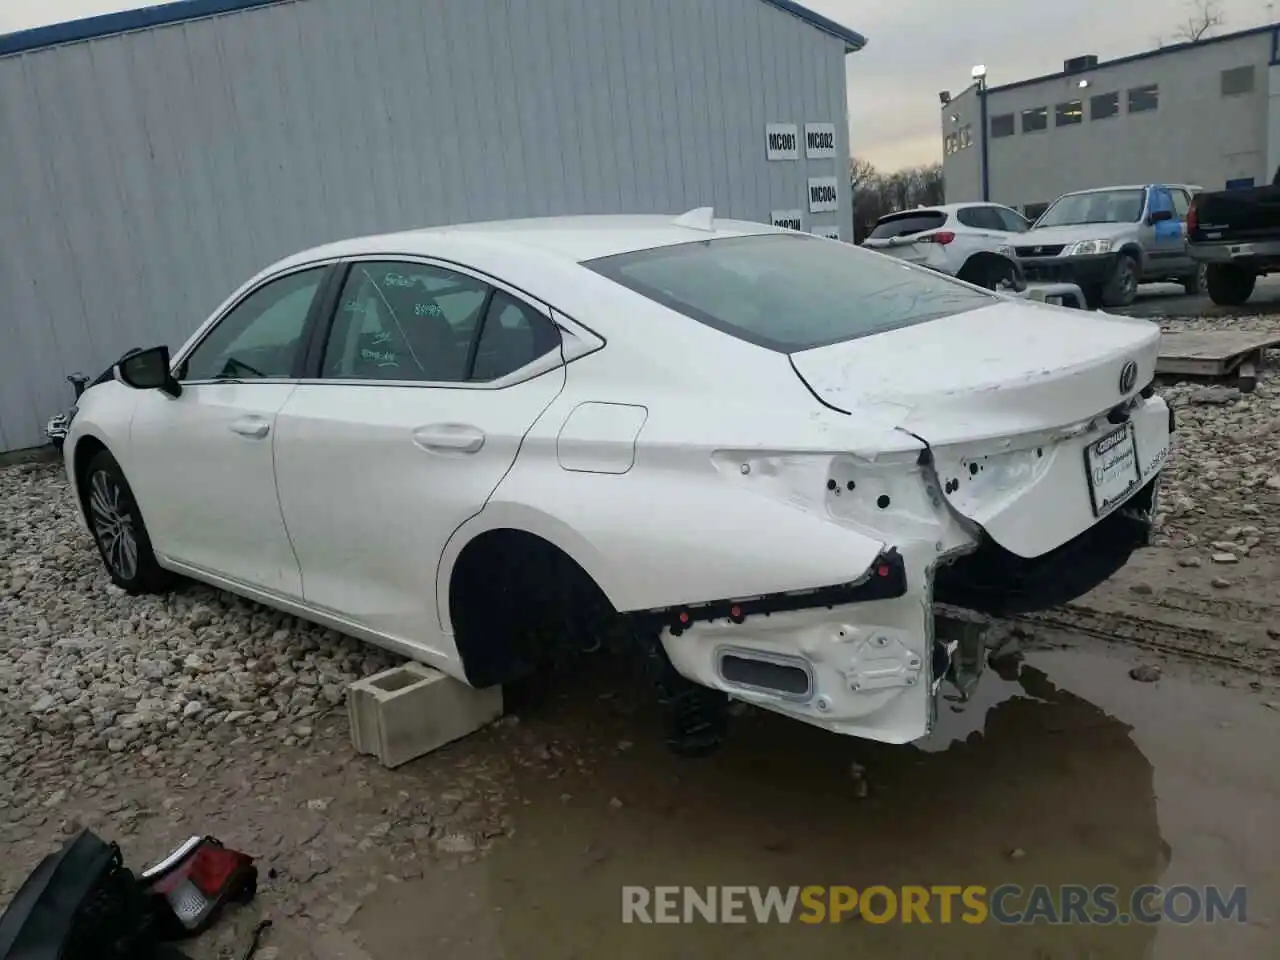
<point>994,373</point>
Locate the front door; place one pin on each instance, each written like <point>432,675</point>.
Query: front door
<point>1166,246</point>
<point>429,382</point>
<point>207,486</point>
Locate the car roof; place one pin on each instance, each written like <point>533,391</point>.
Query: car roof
<point>944,208</point>
<point>571,238</point>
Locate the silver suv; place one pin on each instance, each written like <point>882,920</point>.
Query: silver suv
<point>1111,239</point>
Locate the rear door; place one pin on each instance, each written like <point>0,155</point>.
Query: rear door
<point>985,229</point>
<point>429,378</point>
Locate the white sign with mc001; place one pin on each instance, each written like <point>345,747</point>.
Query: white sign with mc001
<point>782,141</point>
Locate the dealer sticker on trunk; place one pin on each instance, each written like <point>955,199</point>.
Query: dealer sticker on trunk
<point>1111,465</point>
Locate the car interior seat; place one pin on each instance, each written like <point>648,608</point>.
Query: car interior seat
<point>420,334</point>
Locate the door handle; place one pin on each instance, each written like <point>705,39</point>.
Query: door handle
<point>254,428</point>
<point>449,438</point>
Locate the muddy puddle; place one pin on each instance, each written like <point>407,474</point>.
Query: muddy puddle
<point>1065,772</point>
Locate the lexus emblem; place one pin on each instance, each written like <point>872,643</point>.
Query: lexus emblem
<point>1128,376</point>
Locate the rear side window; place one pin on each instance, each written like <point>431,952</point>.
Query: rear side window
<point>905,224</point>
<point>981,218</point>
<point>404,321</point>
<point>789,292</point>
<point>1012,222</point>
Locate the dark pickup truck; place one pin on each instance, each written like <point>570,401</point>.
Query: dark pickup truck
<point>1236,233</point>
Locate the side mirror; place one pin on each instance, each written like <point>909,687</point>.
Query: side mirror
<point>1159,216</point>
<point>149,370</point>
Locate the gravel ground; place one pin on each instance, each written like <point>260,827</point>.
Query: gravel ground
<point>86,666</point>
<point>1221,497</point>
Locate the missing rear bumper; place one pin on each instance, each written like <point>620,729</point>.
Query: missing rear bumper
<point>995,581</point>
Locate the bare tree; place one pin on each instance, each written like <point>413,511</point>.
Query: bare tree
<point>876,194</point>
<point>1205,16</point>
<point>861,172</point>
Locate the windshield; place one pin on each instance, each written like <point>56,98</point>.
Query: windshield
<point>1097,206</point>
<point>789,292</point>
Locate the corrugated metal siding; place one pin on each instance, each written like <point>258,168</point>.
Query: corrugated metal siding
<point>146,174</point>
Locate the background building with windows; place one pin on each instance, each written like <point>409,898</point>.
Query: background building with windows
<point>1205,113</point>
<point>153,160</point>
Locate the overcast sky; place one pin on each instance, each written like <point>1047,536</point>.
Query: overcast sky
<point>917,47</point>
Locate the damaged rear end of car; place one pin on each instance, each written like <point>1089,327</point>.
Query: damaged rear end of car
<point>945,455</point>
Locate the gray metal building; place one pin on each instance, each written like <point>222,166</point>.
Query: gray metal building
<point>152,160</point>
<point>1205,113</point>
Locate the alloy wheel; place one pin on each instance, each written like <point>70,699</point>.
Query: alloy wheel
<point>1128,279</point>
<point>113,525</point>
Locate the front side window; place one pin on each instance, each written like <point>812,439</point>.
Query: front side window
<point>789,292</point>
<point>261,336</point>
<point>1097,206</point>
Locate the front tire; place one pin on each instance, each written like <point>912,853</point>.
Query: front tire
<point>118,530</point>
<point>1122,288</point>
<point>1230,285</point>
<point>1195,284</point>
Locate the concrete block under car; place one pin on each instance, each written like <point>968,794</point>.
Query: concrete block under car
<point>410,710</point>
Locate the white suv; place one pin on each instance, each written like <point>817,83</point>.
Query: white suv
<point>971,241</point>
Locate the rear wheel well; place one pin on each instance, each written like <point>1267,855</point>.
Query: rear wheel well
<point>517,601</point>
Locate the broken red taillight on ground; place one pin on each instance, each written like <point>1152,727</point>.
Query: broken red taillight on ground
<point>190,886</point>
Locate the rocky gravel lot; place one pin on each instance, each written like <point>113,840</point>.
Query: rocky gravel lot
<point>151,718</point>
<point>85,665</point>
<point>1221,498</point>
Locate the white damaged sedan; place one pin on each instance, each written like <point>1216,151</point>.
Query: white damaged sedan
<point>760,456</point>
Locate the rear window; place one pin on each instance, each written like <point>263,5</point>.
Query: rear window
<point>905,224</point>
<point>789,292</point>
